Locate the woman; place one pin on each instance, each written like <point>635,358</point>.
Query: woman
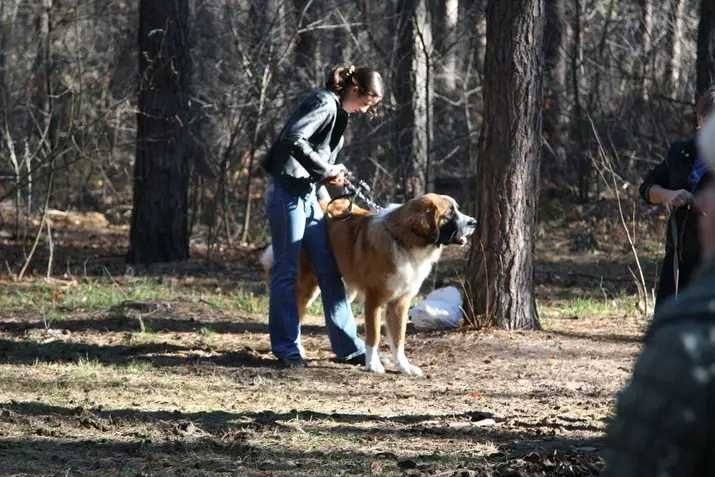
<point>301,161</point>
<point>674,183</point>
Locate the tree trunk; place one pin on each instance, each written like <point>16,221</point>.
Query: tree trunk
<point>646,46</point>
<point>306,47</point>
<point>412,87</point>
<point>554,86</point>
<point>445,20</point>
<point>500,270</point>
<point>4,42</point>
<point>706,47</point>
<point>474,28</point>
<point>579,154</point>
<point>159,226</point>
<point>42,94</point>
<point>674,42</point>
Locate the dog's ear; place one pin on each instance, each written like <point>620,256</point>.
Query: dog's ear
<point>426,223</point>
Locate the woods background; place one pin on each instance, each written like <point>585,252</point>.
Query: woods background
<point>69,89</point>
<point>144,122</point>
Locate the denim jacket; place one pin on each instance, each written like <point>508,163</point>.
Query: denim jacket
<point>307,147</point>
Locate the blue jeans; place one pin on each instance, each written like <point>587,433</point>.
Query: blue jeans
<point>297,223</point>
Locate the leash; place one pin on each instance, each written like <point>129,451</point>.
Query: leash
<point>362,191</point>
<point>676,248</point>
<point>357,188</point>
<point>676,236</point>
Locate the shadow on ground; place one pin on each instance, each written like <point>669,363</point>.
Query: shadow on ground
<point>220,442</point>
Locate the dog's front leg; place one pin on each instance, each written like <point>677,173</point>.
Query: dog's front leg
<point>396,330</point>
<point>373,321</point>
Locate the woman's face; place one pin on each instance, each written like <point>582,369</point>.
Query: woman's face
<point>354,102</point>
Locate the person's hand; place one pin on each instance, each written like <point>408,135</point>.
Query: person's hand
<point>679,198</point>
<point>336,176</point>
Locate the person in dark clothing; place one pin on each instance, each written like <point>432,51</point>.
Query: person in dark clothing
<point>674,183</point>
<point>664,424</point>
<point>300,162</point>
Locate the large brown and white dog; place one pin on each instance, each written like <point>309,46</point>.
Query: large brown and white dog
<point>385,257</point>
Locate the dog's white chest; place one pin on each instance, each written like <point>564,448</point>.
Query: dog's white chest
<point>412,270</point>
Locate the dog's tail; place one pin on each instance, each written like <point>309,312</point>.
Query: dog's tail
<point>266,260</point>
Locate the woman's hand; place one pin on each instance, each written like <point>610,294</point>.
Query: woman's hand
<point>670,198</point>
<point>336,176</point>
<point>336,181</point>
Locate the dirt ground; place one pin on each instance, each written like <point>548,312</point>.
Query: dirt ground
<point>170,374</point>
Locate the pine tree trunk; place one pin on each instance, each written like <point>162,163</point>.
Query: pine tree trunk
<point>413,92</point>
<point>706,47</point>
<point>646,46</point>
<point>500,271</point>
<point>554,86</point>
<point>579,156</point>
<point>159,227</point>
<point>474,28</point>
<point>674,41</point>
<point>445,20</point>
<point>306,47</point>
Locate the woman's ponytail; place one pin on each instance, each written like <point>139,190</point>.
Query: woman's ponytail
<point>368,81</point>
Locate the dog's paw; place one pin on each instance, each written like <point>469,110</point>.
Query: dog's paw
<point>403,364</point>
<point>374,366</point>
<point>373,363</point>
<point>406,368</point>
<point>411,370</point>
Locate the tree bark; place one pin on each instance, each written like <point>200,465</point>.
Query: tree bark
<point>473,28</point>
<point>674,42</point>
<point>42,93</point>
<point>706,47</point>
<point>413,92</point>
<point>445,20</point>
<point>554,86</point>
<point>306,49</point>
<point>646,48</point>
<point>583,169</point>
<point>159,225</point>
<point>500,270</point>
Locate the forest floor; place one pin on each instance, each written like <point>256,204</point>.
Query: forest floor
<point>167,370</point>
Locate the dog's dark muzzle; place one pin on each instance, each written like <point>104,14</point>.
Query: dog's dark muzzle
<point>457,230</point>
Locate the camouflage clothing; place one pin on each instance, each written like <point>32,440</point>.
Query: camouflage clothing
<point>665,416</point>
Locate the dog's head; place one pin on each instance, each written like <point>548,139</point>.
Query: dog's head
<point>437,219</point>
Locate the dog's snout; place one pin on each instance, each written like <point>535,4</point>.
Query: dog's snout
<point>472,222</point>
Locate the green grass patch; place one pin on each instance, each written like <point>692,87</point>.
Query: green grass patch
<point>239,301</point>
<point>55,303</point>
<point>588,307</point>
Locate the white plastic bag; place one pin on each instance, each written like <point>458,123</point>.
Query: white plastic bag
<point>441,309</point>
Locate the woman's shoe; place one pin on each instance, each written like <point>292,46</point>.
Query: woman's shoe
<point>358,360</point>
<point>292,363</point>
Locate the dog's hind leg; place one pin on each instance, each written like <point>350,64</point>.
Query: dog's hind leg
<point>396,330</point>
<point>373,321</point>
